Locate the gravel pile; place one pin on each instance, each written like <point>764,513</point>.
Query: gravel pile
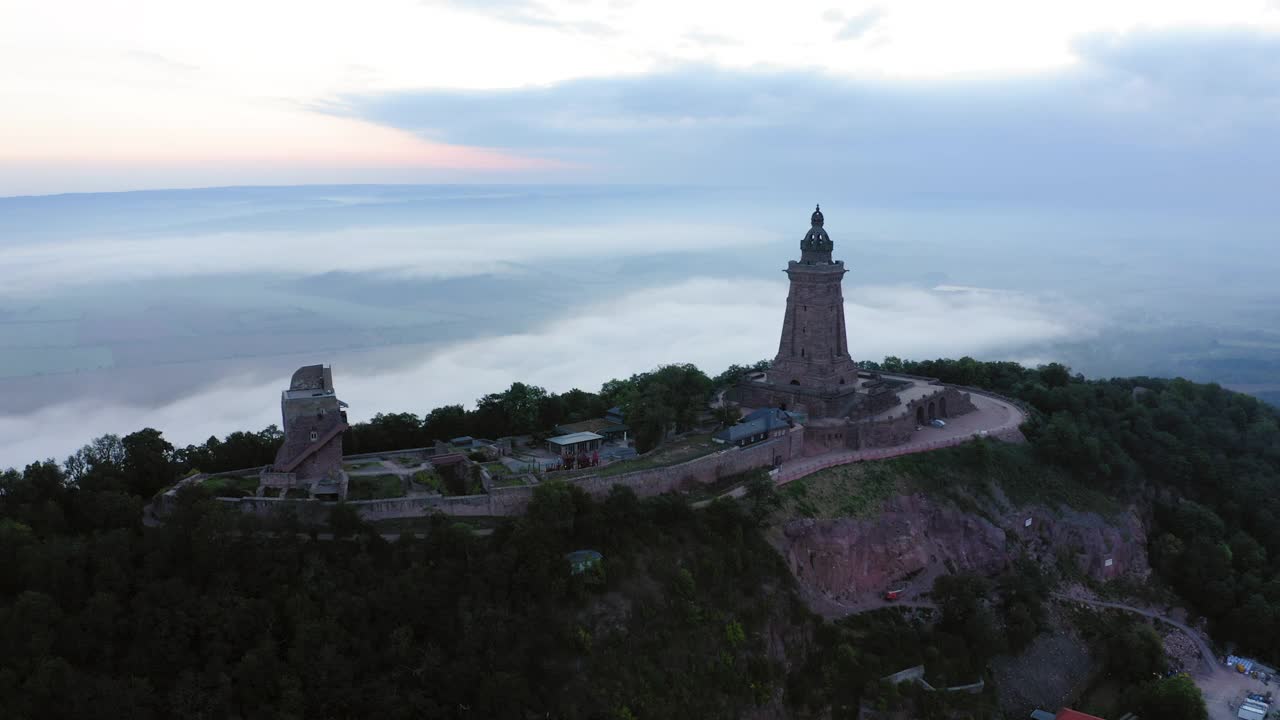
<point>1049,674</point>
<point>1182,652</point>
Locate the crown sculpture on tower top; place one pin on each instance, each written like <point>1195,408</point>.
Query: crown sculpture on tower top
<point>817,238</point>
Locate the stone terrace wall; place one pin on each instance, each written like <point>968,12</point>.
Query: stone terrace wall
<point>916,674</point>
<point>877,442</point>
<point>308,511</point>
<point>900,429</point>
<point>706,469</point>
<point>423,452</point>
<point>514,500</point>
<point>462,506</point>
<point>314,511</point>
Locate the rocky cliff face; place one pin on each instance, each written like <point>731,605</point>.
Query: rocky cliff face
<point>915,539</point>
<point>1099,548</point>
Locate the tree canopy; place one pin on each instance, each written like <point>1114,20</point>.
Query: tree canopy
<point>212,615</point>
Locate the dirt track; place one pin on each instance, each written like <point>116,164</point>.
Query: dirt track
<point>1222,688</point>
<point>1207,657</point>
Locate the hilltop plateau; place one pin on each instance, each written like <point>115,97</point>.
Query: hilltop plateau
<point>766,601</point>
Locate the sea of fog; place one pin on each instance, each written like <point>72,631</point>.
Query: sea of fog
<point>187,310</point>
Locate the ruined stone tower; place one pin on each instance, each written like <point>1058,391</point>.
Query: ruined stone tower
<point>310,458</point>
<point>814,349</point>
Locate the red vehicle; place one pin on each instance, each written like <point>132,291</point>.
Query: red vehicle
<point>894,594</point>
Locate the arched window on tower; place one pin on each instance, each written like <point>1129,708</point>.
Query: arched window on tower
<point>801,352</point>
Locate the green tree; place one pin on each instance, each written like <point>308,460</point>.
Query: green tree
<point>650,417</point>
<point>1136,653</point>
<point>967,613</point>
<point>726,414</point>
<point>515,411</point>
<point>148,462</point>
<point>734,373</point>
<point>98,465</point>
<point>1173,698</point>
<point>445,422</point>
<point>345,521</point>
<point>1054,375</point>
<point>762,497</point>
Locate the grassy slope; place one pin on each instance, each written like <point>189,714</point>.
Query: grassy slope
<point>374,487</point>
<point>971,476</point>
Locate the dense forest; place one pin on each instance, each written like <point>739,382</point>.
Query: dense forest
<point>1204,459</point>
<point>214,615</point>
<point>217,615</point>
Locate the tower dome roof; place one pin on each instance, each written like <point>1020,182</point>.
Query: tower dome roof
<point>816,240</point>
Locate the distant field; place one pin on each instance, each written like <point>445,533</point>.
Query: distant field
<point>1251,344</point>
<point>26,361</point>
<point>37,333</point>
<point>1269,393</point>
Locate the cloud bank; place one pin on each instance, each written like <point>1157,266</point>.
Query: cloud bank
<point>710,322</point>
<point>433,251</point>
<point>1143,119</point>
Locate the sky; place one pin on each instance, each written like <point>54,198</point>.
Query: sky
<point>897,98</point>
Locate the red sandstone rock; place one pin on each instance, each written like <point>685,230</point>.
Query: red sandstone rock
<point>915,537</point>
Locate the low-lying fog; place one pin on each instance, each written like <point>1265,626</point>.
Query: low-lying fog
<point>187,310</point>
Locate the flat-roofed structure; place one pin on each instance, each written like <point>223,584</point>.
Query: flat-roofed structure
<point>1252,709</point>
<point>756,427</point>
<point>575,443</point>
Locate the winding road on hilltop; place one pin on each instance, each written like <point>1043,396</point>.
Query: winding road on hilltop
<point>994,417</point>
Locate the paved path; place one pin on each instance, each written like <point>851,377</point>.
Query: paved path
<point>994,418</point>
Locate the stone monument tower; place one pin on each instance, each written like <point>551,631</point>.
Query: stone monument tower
<point>815,381</point>
<point>814,349</point>
<point>310,458</point>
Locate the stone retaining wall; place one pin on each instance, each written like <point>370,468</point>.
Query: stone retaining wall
<point>514,500</point>
<point>706,469</point>
<point>648,482</point>
<point>916,674</point>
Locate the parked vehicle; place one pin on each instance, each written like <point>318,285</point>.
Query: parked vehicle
<point>938,423</point>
